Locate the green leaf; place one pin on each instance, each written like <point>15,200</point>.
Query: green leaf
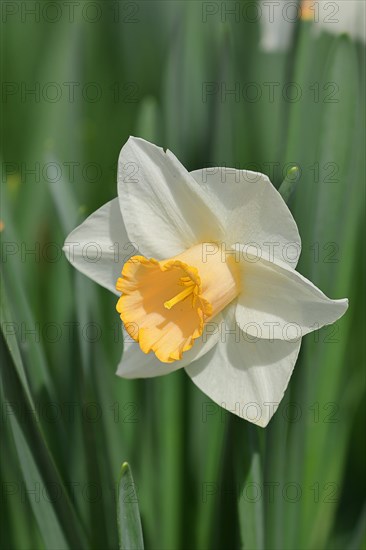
<point>18,307</point>
<point>249,474</point>
<point>45,514</point>
<point>48,497</point>
<point>332,218</point>
<point>128,515</point>
<point>7,328</point>
<point>189,69</point>
<point>358,540</point>
<point>64,201</point>
<point>147,124</point>
<point>288,185</point>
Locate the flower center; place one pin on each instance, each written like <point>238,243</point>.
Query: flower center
<point>189,284</point>
<point>165,304</point>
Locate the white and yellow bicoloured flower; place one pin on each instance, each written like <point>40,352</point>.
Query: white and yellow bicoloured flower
<point>211,286</point>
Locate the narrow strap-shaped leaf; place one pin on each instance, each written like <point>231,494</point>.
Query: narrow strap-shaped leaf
<point>47,520</point>
<point>358,539</point>
<point>8,330</point>
<point>288,185</point>
<point>64,201</point>
<point>249,477</point>
<point>128,514</point>
<point>16,312</point>
<point>49,500</point>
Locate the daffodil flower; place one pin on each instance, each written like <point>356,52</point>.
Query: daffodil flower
<point>279,20</point>
<point>211,285</point>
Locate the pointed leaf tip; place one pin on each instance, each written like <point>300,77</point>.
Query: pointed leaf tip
<point>288,185</point>
<point>128,514</point>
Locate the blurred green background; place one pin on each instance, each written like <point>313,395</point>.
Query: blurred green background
<point>208,81</point>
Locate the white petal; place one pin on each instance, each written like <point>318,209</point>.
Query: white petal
<point>246,377</point>
<point>251,211</point>
<point>136,364</point>
<point>164,209</point>
<point>278,302</point>
<point>100,246</point>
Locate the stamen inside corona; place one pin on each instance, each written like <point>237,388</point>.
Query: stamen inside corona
<point>182,295</point>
